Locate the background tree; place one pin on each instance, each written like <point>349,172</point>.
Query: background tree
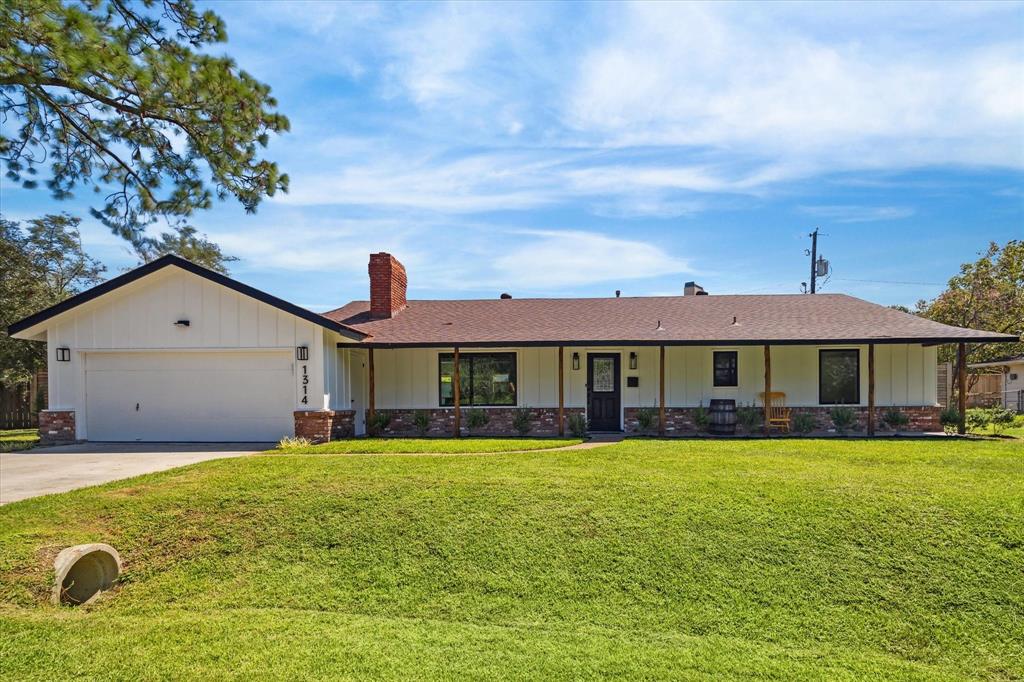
<point>186,242</point>
<point>113,95</point>
<point>41,266</point>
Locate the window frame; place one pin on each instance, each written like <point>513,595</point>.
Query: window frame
<point>735,368</point>
<point>821,356</point>
<point>442,356</point>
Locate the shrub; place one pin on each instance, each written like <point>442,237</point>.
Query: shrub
<point>701,418</point>
<point>522,420</point>
<point>804,423</point>
<point>477,419</point>
<point>379,423</point>
<point>578,425</point>
<point>842,418</point>
<point>895,419</point>
<point>950,418</point>
<point>422,421</point>
<point>750,418</point>
<point>978,418</point>
<point>999,418</point>
<point>645,418</point>
<point>293,443</point>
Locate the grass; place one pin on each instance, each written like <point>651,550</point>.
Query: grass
<point>18,439</point>
<point>809,559</point>
<point>396,446</point>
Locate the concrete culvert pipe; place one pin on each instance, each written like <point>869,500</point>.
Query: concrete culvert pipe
<point>83,571</point>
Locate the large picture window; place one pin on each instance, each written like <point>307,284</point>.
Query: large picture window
<point>839,377</point>
<point>485,379</point>
<point>725,367</point>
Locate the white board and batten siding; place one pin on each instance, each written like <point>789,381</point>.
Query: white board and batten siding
<point>232,369</point>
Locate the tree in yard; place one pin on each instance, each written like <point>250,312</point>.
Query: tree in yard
<point>986,294</point>
<point>41,266</point>
<point>187,243</point>
<point>117,97</point>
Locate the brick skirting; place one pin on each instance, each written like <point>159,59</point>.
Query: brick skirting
<point>679,420</point>
<point>56,426</point>
<point>543,420</point>
<point>321,426</point>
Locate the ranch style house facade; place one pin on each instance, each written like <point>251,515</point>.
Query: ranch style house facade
<point>172,351</point>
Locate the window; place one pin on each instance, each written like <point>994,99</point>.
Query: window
<point>839,377</point>
<point>485,379</point>
<point>725,368</point>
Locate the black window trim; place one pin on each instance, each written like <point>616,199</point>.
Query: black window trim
<point>735,370</point>
<point>462,403</point>
<point>821,352</point>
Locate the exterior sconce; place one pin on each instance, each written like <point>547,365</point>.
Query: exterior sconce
<point>63,355</point>
<point>575,360</point>
<point>302,352</point>
<point>182,323</point>
<point>632,360</point>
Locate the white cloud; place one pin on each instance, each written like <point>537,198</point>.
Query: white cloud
<point>858,214</point>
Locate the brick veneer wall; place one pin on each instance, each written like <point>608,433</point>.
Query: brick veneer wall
<point>321,426</point>
<point>544,422</point>
<point>679,420</point>
<point>56,426</point>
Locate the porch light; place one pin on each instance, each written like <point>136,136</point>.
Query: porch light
<point>63,355</point>
<point>575,360</point>
<point>632,360</point>
<point>302,352</point>
<point>182,323</point>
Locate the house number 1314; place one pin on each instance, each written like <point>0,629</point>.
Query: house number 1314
<point>305,385</point>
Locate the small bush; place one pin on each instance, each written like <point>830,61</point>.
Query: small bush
<point>750,418</point>
<point>950,419</point>
<point>1000,418</point>
<point>578,425</point>
<point>701,419</point>
<point>379,423</point>
<point>293,443</point>
<point>978,418</point>
<point>422,421</point>
<point>522,420</point>
<point>842,418</point>
<point>645,419</point>
<point>895,419</point>
<point>804,423</point>
<point>477,419</point>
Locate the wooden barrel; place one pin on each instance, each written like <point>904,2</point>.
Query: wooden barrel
<point>722,417</point>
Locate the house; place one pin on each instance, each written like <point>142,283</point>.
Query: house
<point>174,352</point>
<point>1010,386</point>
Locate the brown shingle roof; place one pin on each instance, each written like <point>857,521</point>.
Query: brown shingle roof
<point>821,318</point>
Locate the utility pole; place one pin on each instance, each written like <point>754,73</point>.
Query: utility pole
<point>814,258</point>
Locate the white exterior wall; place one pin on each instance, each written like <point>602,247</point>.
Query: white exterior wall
<point>140,317</point>
<point>905,375</point>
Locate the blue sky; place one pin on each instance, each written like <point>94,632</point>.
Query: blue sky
<point>576,149</point>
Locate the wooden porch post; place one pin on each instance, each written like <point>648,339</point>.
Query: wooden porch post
<point>961,387</point>
<point>767,388</point>
<point>371,407</point>
<point>661,391</point>
<point>456,390</point>
<point>871,389</point>
<point>561,392</point>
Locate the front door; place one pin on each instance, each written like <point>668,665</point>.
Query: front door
<point>604,393</point>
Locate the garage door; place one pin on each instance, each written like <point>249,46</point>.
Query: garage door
<point>183,396</point>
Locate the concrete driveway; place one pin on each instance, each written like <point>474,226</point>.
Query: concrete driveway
<point>42,471</point>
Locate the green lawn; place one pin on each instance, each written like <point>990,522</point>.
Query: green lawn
<point>18,439</point>
<point>812,559</point>
<point>396,446</point>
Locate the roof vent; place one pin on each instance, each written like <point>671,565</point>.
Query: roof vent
<point>617,293</point>
<point>693,289</point>
<point>505,296</point>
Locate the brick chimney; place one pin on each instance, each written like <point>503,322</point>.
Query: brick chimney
<point>387,286</point>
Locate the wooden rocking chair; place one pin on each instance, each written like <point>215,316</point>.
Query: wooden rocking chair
<point>779,416</point>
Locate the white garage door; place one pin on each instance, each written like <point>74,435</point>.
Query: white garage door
<point>189,396</point>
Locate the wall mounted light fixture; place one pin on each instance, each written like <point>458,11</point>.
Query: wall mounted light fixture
<point>182,323</point>
<point>575,360</point>
<point>632,360</point>
<point>302,352</point>
<point>63,355</point>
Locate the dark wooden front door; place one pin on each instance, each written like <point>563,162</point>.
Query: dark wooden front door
<point>604,392</point>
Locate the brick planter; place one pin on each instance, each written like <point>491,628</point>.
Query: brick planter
<point>323,425</point>
<point>56,426</point>
<point>544,422</point>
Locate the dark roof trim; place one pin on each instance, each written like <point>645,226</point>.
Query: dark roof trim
<point>216,277</point>
<point>701,342</point>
